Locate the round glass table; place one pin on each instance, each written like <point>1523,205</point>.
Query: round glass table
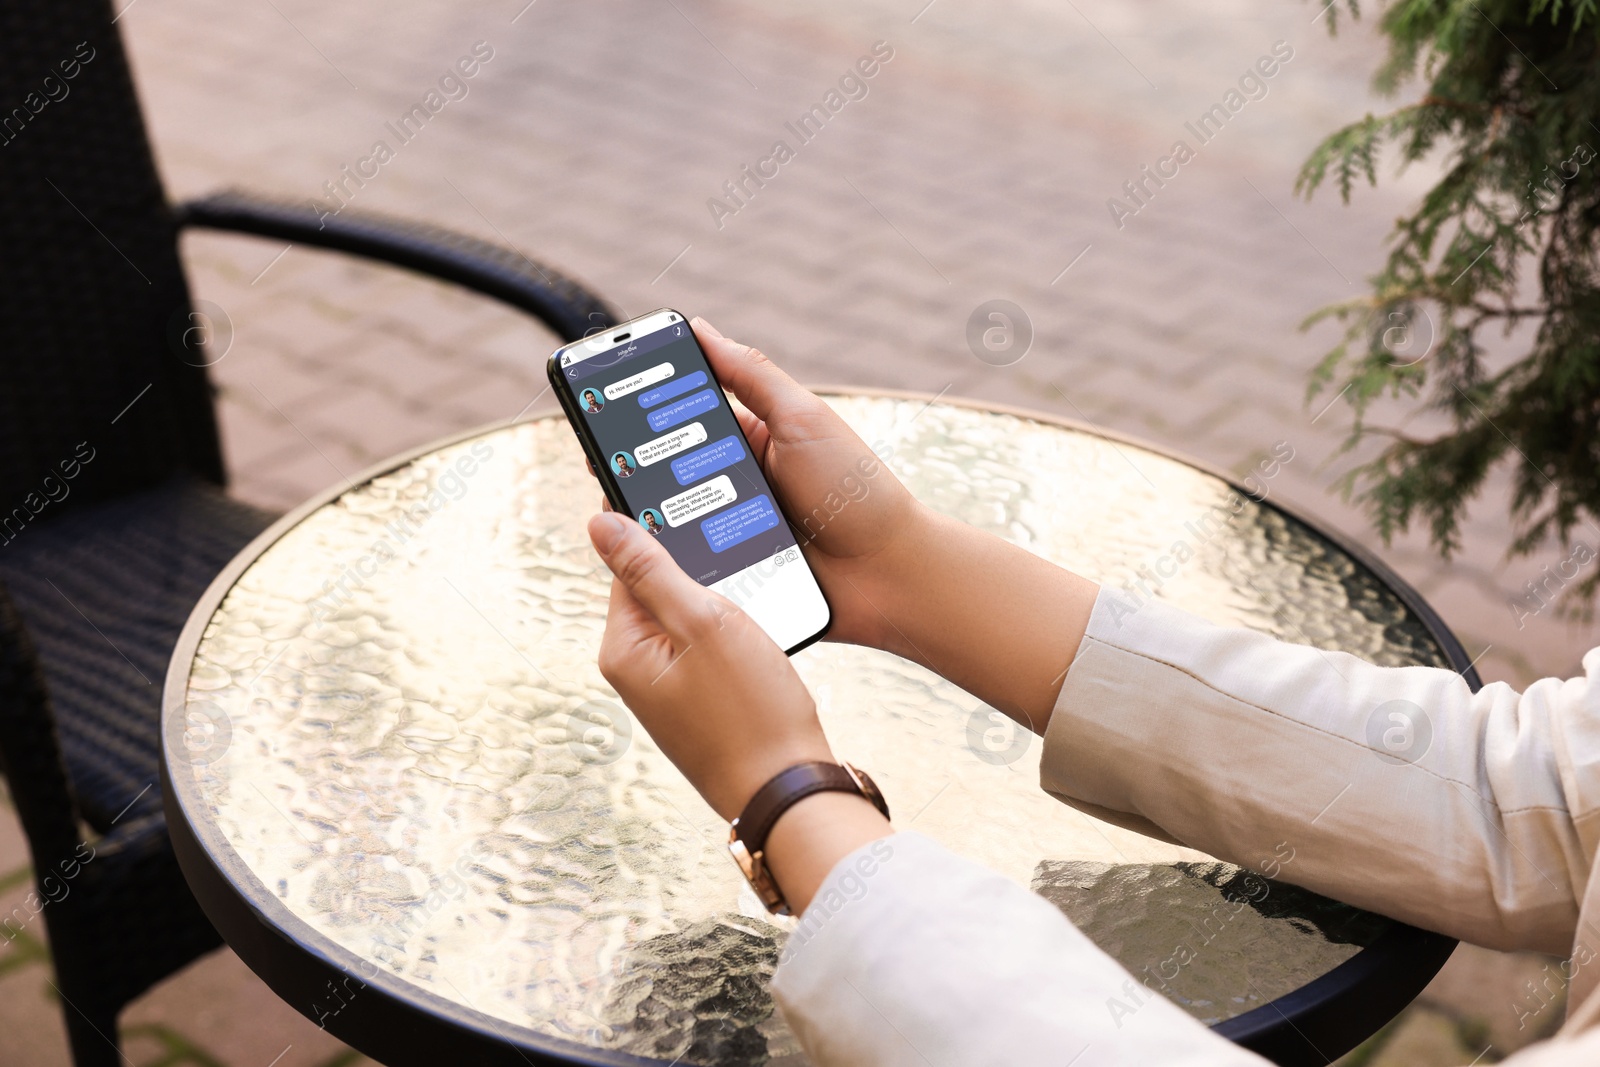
<point>403,793</point>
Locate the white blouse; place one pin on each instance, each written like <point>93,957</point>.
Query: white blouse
<point>1477,820</point>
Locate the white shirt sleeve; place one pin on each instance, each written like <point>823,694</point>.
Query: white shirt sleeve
<point>1471,814</point>
<point>910,956</point>
<point>1397,790</point>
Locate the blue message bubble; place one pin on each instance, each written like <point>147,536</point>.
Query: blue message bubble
<point>708,460</point>
<point>737,525</point>
<point>684,410</point>
<point>677,387</point>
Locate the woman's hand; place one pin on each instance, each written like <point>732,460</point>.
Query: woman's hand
<point>723,702</point>
<point>713,690</point>
<point>851,514</point>
<point>993,618</point>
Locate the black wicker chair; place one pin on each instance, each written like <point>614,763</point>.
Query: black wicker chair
<point>113,517</point>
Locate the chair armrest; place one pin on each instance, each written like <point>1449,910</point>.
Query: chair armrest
<point>566,306</point>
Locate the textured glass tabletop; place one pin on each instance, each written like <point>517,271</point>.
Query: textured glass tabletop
<point>394,723</point>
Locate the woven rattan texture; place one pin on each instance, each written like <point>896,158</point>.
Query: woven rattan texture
<point>93,302</point>
<point>119,914</point>
<point>104,591</point>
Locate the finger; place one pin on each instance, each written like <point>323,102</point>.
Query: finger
<point>630,630</point>
<point>651,576</point>
<point>749,422</point>
<point>626,620</point>
<point>635,650</point>
<point>757,381</point>
<point>755,431</point>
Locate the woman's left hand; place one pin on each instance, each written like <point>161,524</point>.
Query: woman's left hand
<point>713,690</point>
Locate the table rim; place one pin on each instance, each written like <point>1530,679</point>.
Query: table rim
<point>204,853</point>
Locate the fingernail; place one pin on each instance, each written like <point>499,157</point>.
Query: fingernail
<point>605,530</point>
<point>707,327</point>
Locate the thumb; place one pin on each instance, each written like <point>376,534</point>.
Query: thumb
<point>645,569</point>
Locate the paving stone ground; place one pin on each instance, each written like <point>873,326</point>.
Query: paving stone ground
<point>977,166</point>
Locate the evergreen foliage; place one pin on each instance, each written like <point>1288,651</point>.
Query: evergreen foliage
<point>1505,239</point>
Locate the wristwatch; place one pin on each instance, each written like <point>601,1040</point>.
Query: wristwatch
<point>747,839</point>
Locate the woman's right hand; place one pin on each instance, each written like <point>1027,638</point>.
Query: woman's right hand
<point>851,514</point>
<point>993,618</point>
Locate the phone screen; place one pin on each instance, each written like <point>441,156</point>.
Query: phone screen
<point>663,439</point>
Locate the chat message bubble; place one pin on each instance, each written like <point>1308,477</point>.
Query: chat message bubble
<point>683,410</point>
<point>671,444</point>
<point>699,500</point>
<point>659,373</point>
<point>737,525</point>
<point>672,389</point>
<point>709,460</point>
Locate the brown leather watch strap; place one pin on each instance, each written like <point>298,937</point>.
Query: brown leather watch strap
<point>792,786</point>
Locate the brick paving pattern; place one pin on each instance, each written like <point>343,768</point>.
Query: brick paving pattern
<point>976,163</point>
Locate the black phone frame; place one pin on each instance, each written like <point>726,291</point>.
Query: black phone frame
<point>608,481</point>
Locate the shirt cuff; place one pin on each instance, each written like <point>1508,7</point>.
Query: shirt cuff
<point>1084,691</point>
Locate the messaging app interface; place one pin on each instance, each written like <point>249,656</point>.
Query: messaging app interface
<point>678,456</point>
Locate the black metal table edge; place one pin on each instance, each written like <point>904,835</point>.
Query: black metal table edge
<point>367,1007</point>
<point>300,964</point>
<point>1327,1017</point>
<point>1312,1024</point>
<point>1309,1027</point>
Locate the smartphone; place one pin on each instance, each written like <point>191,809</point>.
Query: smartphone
<point>669,453</point>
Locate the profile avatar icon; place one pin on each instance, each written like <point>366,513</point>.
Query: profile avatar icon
<point>622,463</point>
<point>650,518</point>
<point>592,402</point>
